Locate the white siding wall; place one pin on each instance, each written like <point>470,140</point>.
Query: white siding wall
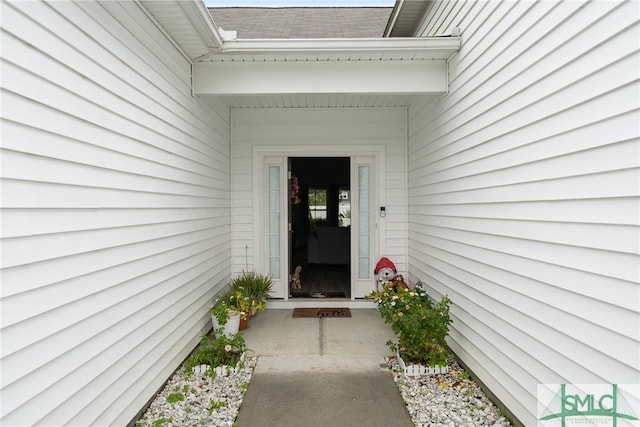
<point>523,193</point>
<point>115,219</point>
<point>320,127</point>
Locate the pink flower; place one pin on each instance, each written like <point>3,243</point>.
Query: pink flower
<point>227,347</point>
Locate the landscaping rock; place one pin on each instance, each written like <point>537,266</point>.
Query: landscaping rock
<point>450,399</point>
<point>206,400</point>
<point>444,400</point>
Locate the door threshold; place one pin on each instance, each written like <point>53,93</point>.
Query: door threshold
<point>319,302</point>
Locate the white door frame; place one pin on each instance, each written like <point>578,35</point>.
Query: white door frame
<point>264,156</point>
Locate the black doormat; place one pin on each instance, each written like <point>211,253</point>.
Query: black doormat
<point>321,312</point>
<point>318,295</point>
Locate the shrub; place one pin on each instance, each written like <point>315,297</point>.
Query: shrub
<point>420,324</point>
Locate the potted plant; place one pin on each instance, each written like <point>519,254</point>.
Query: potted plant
<point>224,316</point>
<point>420,324</point>
<point>254,289</point>
<point>243,305</point>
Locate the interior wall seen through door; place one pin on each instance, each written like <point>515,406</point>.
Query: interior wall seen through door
<point>320,225</point>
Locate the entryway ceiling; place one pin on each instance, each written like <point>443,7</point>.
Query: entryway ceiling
<point>315,101</point>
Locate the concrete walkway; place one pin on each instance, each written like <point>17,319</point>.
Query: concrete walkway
<point>321,372</point>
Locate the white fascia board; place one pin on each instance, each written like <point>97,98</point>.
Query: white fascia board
<point>187,23</point>
<point>201,20</point>
<point>320,77</point>
<point>438,45</point>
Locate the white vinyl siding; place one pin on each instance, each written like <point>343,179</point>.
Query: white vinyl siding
<point>357,128</point>
<point>115,211</point>
<point>523,193</point>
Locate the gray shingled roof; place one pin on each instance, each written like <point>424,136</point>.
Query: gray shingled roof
<point>302,22</point>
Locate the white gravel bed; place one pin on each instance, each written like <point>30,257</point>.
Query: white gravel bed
<point>451,399</point>
<point>199,400</point>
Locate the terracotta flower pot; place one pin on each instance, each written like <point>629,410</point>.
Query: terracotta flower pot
<point>244,322</point>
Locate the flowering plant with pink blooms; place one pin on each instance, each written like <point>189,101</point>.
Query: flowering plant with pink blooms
<point>219,351</point>
<point>420,323</point>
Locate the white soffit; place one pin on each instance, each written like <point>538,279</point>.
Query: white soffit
<point>344,100</point>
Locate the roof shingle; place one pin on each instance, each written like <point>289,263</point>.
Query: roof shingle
<point>302,22</point>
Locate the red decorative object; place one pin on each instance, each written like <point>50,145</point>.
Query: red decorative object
<point>387,275</point>
<point>385,263</point>
<point>295,190</point>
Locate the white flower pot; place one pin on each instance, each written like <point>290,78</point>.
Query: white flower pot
<point>231,327</point>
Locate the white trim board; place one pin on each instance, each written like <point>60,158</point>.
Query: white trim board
<point>320,77</point>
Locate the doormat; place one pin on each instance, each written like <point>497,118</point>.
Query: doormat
<point>321,312</point>
<point>318,295</point>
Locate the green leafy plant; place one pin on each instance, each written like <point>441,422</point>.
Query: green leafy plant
<point>222,308</point>
<point>251,291</point>
<point>162,421</point>
<point>242,303</point>
<point>216,405</point>
<point>219,351</point>
<point>246,294</point>
<point>420,324</point>
<point>175,397</point>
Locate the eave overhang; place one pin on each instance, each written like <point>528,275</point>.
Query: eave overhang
<point>187,23</point>
<point>326,66</point>
<point>226,67</point>
<point>406,17</point>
